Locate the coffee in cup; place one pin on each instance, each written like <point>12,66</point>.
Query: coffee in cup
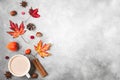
<point>19,65</point>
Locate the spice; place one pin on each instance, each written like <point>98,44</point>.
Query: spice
<point>34,75</point>
<point>39,67</point>
<point>23,3</point>
<point>13,13</point>
<point>8,75</point>
<point>31,26</point>
<point>27,51</point>
<point>39,34</point>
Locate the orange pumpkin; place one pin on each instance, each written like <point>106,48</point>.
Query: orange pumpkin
<point>13,46</point>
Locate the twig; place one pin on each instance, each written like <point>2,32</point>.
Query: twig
<point>24,39</point>
<point>27,19</point>
<point>34,55</point>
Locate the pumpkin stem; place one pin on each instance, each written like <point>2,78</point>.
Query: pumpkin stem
<point>24,39</point>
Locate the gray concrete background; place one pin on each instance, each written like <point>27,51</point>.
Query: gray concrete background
<point>85,35</point>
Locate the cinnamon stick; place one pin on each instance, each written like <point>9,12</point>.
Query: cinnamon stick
<point>39,67</point>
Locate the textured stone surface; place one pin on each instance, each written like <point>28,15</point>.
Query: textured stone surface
<point>85,35</point>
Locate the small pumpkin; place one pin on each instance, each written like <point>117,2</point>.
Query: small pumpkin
<point>13,46</point>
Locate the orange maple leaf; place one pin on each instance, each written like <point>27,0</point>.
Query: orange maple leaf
<point>42,49</point>
<point>16,31</point>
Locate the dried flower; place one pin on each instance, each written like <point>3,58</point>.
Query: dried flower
<point>13,13</point>
<point>31,26</point>
<point>8,75</point>
<point>23,3</point>
<point>13,46</point>
<point>39,34</point>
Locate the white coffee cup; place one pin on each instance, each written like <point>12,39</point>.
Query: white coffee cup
<point>19,65</point>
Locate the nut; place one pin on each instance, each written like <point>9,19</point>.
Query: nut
<point>39,34</point>
<point>13,13</point>
<point>34,75</point>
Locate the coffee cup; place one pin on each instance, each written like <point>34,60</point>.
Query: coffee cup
<point>19,66</point>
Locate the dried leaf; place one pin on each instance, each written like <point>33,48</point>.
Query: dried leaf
<point>16,32</point>
<point>34,13</point>
<point>42,49</point>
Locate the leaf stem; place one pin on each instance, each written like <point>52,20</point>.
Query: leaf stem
<point>34,54</point>
<point>27,19</point>
<point>24,39</point>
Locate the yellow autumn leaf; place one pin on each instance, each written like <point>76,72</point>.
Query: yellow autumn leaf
<point>42,49</point>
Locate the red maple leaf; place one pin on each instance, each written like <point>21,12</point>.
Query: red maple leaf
<point>34,13</point>
<point>15,30</point>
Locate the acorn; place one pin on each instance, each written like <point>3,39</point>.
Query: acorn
<point>13,13</point>
<point>34,75</point>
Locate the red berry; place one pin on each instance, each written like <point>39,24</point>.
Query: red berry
<point>6,57</point>
<point>32,37</point>
<point>23,13</point>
